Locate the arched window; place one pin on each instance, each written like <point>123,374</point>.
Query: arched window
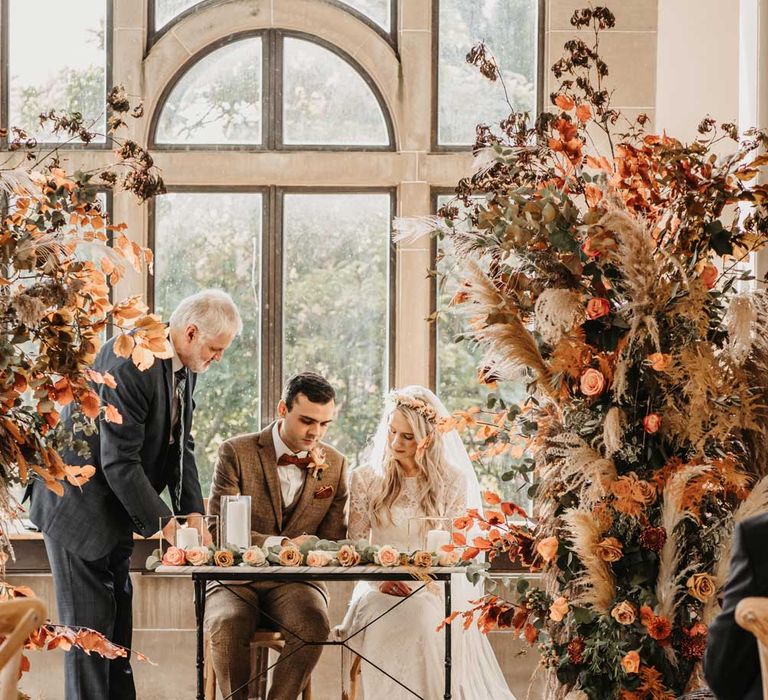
<point>273,90</point>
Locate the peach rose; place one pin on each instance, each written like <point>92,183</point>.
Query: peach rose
<point>224,557</point>
<point>609,549</point>
<point>388,556</point>
<point>348,556</point>
<point>422,559</point>
<point>631,662</point>
<point>652,423</point>
<point>448,558</point>
<point>659,361</point>
<point>598,307</point>
<point>547,548</point>
<point>559,609</point>
<point>290,556</point>
<point>592,382</point>
<point>709,275</point>
<point>624,613</point>
<point>318,557</point>
<point>588,248</point>
<point>701,587</point>
<point>198,556</point>
<point>254,556</point>
<point>174,557</point>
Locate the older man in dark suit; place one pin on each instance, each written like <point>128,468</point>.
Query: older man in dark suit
<point>88,534</point>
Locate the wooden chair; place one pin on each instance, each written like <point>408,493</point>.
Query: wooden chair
<point>752,615</point>
<point>18,619</point>
<point>261,642</point>
<point>354,678</point>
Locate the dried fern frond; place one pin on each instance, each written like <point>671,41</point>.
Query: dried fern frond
<point>595,586</point>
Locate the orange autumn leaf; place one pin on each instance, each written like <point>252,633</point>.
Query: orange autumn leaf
<point>470,553</point>
<point>90,405</point>
<point>531,633</point>
<point>123,346</point>
<point>565,103</point>
<point>583,112</point>
<point>491,498</point>
<point>459,539</point>
<point>112,415</point>
<point>62,392</point>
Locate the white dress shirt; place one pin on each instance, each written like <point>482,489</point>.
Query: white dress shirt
<point>291,477</point>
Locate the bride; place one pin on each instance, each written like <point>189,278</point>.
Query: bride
<point>415,473</point>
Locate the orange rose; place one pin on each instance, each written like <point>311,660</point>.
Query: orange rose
<point>659,361</point>
<point>631,662</point>
<point>559,609</point>
<point>318,557</point>
<point>198,556</point>
<point>652,423</point>
<point>422,559</point>
<point>701,587</point>
<point>290,555</point>
<point>592,382</point>
<point>597,307</point>
<point>223,558</point>
<point>609,549</point>
<point>174,556</point>
<point>547,548</point>
<point>624,613</point>
<point>448,558</point>
<point>348,556</point>
<point>709,275</point>
<point>388,556</point>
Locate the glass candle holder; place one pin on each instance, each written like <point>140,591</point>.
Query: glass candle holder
<point>189,531</point>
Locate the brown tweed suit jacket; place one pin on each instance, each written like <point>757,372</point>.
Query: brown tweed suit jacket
<point>247,465</point>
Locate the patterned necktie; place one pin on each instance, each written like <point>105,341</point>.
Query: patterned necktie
<point>180,379</point>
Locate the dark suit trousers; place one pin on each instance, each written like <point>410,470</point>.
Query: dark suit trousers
<point>95,594</point>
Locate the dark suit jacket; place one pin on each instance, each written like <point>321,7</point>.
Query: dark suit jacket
<point>731,664</point>
<point>134,462</point>
<point>247,465</point>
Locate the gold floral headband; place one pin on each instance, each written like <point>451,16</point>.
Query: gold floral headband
<point>425,410</point>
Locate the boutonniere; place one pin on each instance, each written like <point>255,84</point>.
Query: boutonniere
<point>318,463</point>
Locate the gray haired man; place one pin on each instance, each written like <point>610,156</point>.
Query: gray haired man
<point>89,534</point>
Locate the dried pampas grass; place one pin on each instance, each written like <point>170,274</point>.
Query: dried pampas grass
<point>579,468</point>
<point>557,312</point>
<point>669,584</point>
<point>613,430</point>
<point>595,586</point>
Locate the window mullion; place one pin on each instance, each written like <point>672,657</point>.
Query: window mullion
<point>272,306</point>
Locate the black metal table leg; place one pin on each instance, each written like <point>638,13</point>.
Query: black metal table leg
<point>199,617</point>
<point>447,694</point>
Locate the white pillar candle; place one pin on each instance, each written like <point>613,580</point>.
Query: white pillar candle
<point>186,537</point>
<point>436,539</point>
<point>237,531</point>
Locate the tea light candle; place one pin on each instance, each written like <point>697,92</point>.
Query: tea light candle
<point>187,537</point>
<point>436,539</point>
<point>237,524</point>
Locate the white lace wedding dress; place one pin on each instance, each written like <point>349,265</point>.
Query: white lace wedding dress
<point>404,642</point>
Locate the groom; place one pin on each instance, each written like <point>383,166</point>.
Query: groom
<point>290,498</point>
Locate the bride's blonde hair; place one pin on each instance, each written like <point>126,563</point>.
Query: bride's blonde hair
<point>423,419</point>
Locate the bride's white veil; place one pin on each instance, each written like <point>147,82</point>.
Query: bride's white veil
<point>478,674</point>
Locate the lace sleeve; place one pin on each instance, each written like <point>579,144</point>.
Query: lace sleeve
<point>359,514</point>
<point>456,495</point>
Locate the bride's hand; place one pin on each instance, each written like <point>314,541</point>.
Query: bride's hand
<point>395,588</point>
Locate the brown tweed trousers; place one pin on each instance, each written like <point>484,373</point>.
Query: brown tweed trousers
<point>247,465</point>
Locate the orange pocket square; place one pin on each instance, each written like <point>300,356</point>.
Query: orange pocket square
<point>324,492</point>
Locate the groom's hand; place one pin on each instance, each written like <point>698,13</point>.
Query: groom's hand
<point>397,588</point>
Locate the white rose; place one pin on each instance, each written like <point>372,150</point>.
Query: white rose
<point>318,557</point>
<point>254,556</point>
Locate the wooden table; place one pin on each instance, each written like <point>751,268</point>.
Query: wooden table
<point>203,575</point>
